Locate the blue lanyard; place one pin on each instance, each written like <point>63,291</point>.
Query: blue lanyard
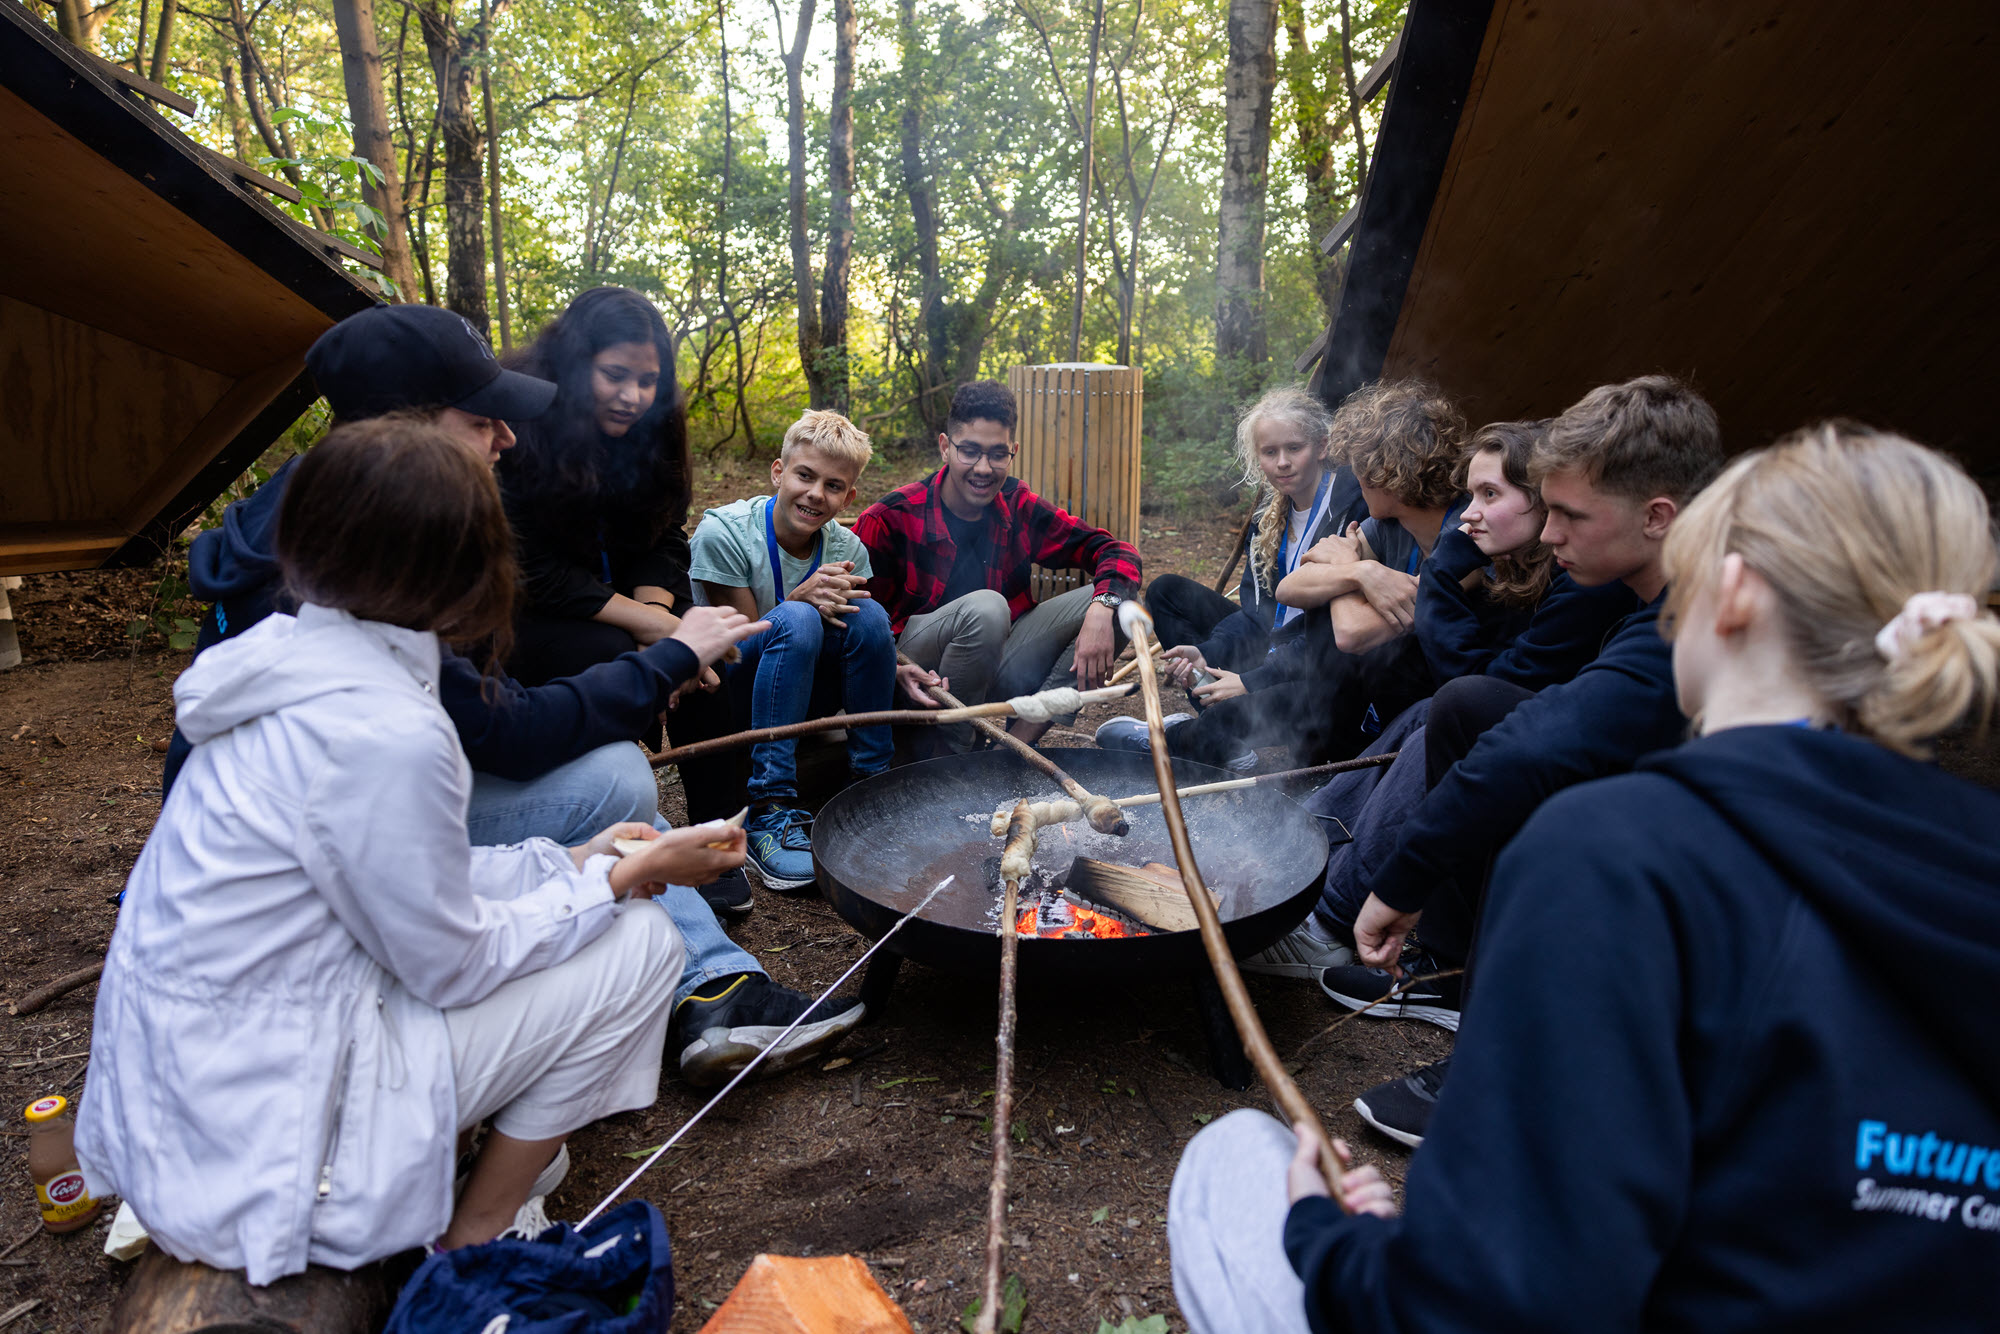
<point>771,545</point>
<point>1285,538</point>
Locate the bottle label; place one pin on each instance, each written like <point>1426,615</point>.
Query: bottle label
<point>63,1197</point>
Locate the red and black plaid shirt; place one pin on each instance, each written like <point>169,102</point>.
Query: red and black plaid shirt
<point>911,550</point>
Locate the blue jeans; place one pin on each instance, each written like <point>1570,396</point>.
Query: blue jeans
<point>777,674</point>
<point>576,801</point>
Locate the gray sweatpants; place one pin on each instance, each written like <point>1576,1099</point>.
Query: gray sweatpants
<point>1226,1228</point>
<point>975,643</point>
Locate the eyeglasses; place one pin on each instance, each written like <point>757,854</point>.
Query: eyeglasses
<point>971,454</point>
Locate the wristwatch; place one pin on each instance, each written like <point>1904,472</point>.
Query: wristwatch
<point>1111,600</point>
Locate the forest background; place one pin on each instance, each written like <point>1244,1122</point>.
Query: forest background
<point>851,203</point>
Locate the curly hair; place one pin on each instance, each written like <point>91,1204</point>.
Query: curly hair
<point>561,464</point>
<point>1520,577</point>
<point>1404,437</point>
<point>982,400</point>
<point>1300,407</point>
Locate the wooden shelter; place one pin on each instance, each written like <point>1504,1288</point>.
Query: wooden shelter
<point>155,311</point>
<point>1781,200</point>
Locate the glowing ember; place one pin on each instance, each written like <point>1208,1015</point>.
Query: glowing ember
<point>1082,922</point>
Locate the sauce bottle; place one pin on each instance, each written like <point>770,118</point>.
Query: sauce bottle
<point>66,1204</point>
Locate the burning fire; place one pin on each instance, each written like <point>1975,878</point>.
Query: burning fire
<point>1084,922</point>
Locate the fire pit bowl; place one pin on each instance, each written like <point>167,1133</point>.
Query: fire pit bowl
<point>882,844</point>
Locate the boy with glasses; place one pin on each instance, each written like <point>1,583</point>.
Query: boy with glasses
<point>951,558</point>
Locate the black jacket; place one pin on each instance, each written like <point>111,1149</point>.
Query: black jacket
<point>571,566</point>
<point>507,729</point>
<point>1615,710</point>
<point>1241,641</point>
<point>1732,1065</point>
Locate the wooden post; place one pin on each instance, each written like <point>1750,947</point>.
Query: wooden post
<point>1079,436</point>
<point>10,644</point>
<point>164,1296</point>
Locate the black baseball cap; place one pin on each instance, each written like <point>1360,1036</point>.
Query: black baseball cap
<point>388,358</point>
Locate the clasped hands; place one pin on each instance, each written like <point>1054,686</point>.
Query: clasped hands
<point>1391,593</point>
<point>833,590</point>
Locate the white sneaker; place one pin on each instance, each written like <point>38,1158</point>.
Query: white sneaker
<point>552,1175</point>
<point>530,1221</point>
<point>1302,954</point>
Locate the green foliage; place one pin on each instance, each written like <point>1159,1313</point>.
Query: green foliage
<point>1013,1307</point>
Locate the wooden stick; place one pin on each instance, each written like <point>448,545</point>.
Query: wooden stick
<point>1102,814</point>
<point>1236,552</point>
<point>47,992</point>
<point>1020,851</point>
<point>1125,669</point>
<point>959,713</point>
<point>1256,1042</point>
<point>1062,812</point>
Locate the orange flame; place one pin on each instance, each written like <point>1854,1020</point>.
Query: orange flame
<point>1085,923</point>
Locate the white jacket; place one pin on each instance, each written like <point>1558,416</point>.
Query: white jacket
<point>270,1075</point>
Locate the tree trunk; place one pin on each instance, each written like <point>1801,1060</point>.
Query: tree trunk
<point>840,214</point>
<point>277,139</point>
<point>493,185</point>
<point>232,110</point>
<point>1314,150</point>
<point>1087,132</point>
<point>164,42</point>
<point>933,336</point>
<point>741,417</point>
<point>361,68</point>
<point>69,22</point>
<point>795,138</point>
<point>1248,83</point>
<point>453,55</point>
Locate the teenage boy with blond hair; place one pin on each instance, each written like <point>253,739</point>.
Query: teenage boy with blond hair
<point>784,558</point>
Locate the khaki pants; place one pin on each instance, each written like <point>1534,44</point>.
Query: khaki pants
<point>985,655</point>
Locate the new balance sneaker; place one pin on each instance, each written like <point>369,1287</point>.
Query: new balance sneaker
<point>721,1029</point>
<point>1401,1108</point>
<point>1132,734</point>
<point>781,850</point>
<point>728,895</point>
<point>1383,995</point>
<point>1303,954</point>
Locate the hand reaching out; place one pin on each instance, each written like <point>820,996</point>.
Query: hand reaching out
<point>1179,664</point>
<point>712,631</point>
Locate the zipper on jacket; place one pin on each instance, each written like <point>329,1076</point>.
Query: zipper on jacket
<point>336,1105</point>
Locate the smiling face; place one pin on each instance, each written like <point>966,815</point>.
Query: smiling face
<point>808,488</point>
<point>489,437</point>
<point>624,381</point>
<point>1288,458</point>
<point>1598,536</point>
<point>970,485</point>
<point>1502,518</point>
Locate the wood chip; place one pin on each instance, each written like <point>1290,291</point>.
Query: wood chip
<point>15,1313</point>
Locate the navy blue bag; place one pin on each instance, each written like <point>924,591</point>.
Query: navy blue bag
<point>615,1278</point>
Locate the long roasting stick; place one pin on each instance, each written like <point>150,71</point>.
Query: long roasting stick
<point>1062,812</point>
<point>1138,625</point>
<point>1102,814</point>
<point>963,713</point>
<point>1125,669</point>
<point>1015,863</point>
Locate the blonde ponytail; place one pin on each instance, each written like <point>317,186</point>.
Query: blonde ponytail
<point>1853,528</point>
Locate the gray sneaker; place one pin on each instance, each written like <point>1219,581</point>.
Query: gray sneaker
<point>1302,954</point>
<point>1132,733</point>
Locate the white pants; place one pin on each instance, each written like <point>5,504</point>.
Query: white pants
<point>553,1051</point>
<point>1226,1229</point>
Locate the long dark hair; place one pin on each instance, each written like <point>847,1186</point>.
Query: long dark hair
<point>1519,577</point>
<point>562,464</point>
<point>393,519</point>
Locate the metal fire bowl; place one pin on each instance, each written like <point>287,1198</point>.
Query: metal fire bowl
<point>882,844</point>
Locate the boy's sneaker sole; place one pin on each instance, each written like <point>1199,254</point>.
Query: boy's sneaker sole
<point>1401,1108</point>
<point>720,1052</point>
<point>1400,1136</point>
<point>778,884</point>
<point>728,895</point>
<point>1372,1007</point>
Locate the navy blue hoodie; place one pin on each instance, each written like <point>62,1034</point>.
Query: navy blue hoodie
<point>1734,1064</point>
<point>1240,640</point>
<point>1615,710</point>
<point>507,729</point>
<point>1471,634</point>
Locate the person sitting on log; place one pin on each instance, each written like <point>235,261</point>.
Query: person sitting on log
<point>1490,602</point>
<point>1699,1092</point>
<point>1403,440</point>
<point>317,981</point>
<point>952,558</point>
<point>555,761</point>
<point>1284,444</point>
<point>786,560</point>
<point>1615,471</point>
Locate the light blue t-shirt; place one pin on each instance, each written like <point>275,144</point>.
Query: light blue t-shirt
<point>729,549</point>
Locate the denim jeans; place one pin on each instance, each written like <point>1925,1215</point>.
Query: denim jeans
<point>573,802</point>
<point>776,679</point>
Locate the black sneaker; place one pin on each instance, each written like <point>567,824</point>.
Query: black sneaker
<point>1401,1108</point>
<point>1368,989</point>
<point>721,1028</point>
<point>728,895</point>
